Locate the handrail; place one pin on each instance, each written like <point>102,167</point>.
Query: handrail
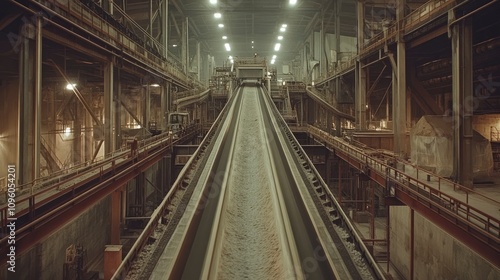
<point>97,170</point>
<point>87,20</point>
<point>488,225</point>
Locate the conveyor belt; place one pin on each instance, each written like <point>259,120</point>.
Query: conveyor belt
<point>257,209</point>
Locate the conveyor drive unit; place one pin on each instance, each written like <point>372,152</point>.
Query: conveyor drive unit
<point>253,68</point>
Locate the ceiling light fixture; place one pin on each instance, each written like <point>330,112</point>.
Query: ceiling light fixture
<point>280,37</point>
<point>224,37</point>
<point>217,15</point>
<point>277,47</point>
<point>284,25</point>
<point>70,86</point>
<point>213,2</point>
<point>292,2</point>
<point>282,29</point>
<point>221,25</point>
<point>227,46</point>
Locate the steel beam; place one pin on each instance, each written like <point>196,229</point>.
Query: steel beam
<point>423,98</point>
<point>117,109</point>
<point>376,82</point>
<point>137,120</point>
<point>463,100</point>
<point>78,94</point>
<point>163,108</point>
<point>147,106</point>
<point>399,90</point>
<point>38,96</point>
<point>360,97</point>
<point>198,61</point>
<point>185,45</point>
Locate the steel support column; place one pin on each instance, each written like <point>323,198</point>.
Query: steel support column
<point>38,96</point>
<point>108,108</point>
<point>463,100</point>
<point>338,8</point>
<point>322,56</point>
<point>147,107</point>
<point>198,60</point>
<point>76,151</point>
<point>164,27</point>
<point>360,84</point>
<point>185,45</point>
<point>26,107</point>
<point>117,88</point>
<point>338,88</point>
<point>399,92</point>
<point>163,108</point>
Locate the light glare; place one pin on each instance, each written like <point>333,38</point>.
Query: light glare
<point>227,46</point>
<point>277,47</point>
<point>217,15</point>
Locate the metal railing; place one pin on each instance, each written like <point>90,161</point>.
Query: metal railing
<point>97,170</point>
<point>453,205</point>
<point>140,47</point>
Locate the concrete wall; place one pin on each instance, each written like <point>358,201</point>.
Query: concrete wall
<point>45,262</point>
<point>437,254</point>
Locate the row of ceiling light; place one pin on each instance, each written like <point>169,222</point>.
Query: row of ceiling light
<point>227,46</point>
<point>283,27</point>
<point>277,46</point>
<point>218,15</point>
